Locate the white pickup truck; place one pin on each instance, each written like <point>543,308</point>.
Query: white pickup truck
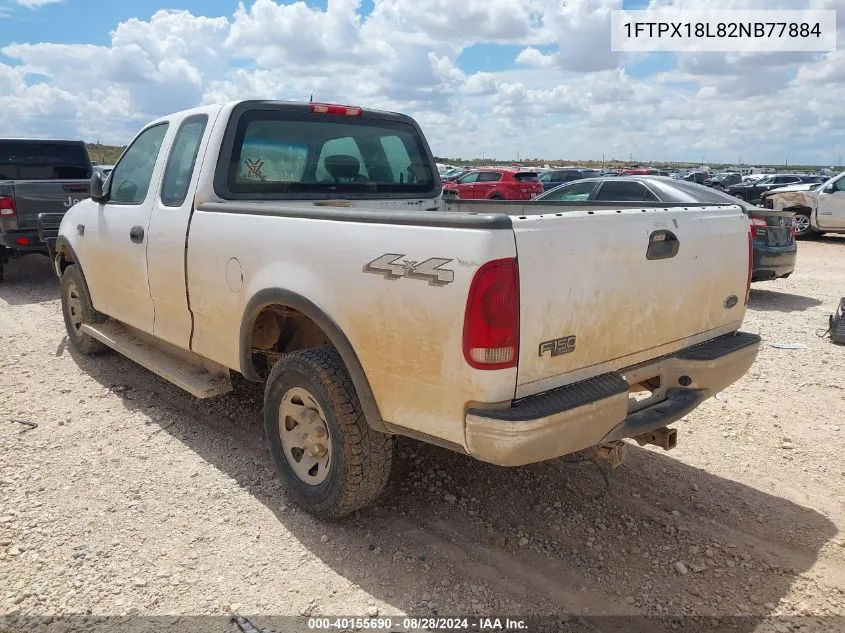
<point>304,245</point>
<point>818,208</point>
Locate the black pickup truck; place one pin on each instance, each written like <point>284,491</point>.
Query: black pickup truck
<point>39,181</point>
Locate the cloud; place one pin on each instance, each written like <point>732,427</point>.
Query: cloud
<point>35,4</point>
<point>532,57</point>
<point>564,94</point>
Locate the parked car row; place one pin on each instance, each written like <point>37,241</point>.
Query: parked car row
<point>774,245</point>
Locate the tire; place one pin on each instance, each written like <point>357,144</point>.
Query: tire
<point>803,228</point>
<point>315,385</point>
<point>496,197</point>
<point>739,196</point>
<point>78,311</point>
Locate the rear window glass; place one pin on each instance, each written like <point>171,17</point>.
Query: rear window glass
<point>526,177</point>
<point>681,191</point>
<point>43,161</point>
<point>282,153</point>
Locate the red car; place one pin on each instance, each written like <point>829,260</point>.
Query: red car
<point>496,184</point>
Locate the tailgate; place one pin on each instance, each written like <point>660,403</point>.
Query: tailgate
<point>33,197</point>
<point>585,274</point>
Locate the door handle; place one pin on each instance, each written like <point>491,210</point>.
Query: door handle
<point>136,234</point>
<point>80,228</point>
<point>662,245</point>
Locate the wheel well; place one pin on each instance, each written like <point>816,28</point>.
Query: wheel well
<point>279,330</point>
<point>799,209</point>
<point>63,260</point>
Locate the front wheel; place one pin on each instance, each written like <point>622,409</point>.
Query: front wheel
<point>329,459</point>
<point>739,196</point>
<point>78,310</point>
<point>496,196</point>
<point>803,228</point>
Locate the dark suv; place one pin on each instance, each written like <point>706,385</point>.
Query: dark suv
<point>723,181</point>
<point>554,177</point>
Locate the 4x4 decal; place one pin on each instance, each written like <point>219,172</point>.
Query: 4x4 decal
<point>392,266</point>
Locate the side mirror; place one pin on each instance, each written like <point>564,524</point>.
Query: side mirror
<point>830,189</point>
<point>96,190</point>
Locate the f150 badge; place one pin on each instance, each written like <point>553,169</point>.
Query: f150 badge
<point>393,266</point>
<point>558,346</point>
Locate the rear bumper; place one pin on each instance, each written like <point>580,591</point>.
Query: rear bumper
<point>34,244</point>
<point>578,416</point>
<point>771,262</point>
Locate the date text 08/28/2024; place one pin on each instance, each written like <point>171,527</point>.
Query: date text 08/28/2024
<point>414,623</point>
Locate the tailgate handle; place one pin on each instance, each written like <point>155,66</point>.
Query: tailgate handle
<point>662,244</point>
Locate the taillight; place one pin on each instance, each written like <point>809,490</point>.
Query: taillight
<point>7,207</point>
<point>342,110</point>
<point>22,241</point>
<point>759,228</point>
<point>750,261</point>
<point>491,323</point>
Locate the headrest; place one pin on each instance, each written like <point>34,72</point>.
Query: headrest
<point>342,166</point>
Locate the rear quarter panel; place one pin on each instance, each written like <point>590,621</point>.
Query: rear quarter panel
<point>406,332</point>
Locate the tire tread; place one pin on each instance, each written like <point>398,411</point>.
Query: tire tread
<point>367,453</point>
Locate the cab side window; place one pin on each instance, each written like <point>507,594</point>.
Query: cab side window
<point>181,162</point>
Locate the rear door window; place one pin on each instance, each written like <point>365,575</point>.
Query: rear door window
<point>489,176</point>
<point>625,191</point>
<point>181,162</point>
<point>526,177</point>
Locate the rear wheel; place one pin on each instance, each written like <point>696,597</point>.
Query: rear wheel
<point>496,196</point>
<point>739,196</point>
<point>329,459</point>
<point>78,310</point>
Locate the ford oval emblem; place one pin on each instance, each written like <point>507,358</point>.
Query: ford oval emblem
<point>731,301</point>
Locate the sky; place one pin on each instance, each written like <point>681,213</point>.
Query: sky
<point>493,78</point>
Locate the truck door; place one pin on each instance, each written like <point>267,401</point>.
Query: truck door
<point>115,239</point>
<point>831,212</point>
<point>171,215</point>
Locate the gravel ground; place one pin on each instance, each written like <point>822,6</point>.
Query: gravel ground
<point>130,497</point>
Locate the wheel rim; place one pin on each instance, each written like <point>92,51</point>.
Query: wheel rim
<point>740,196</point>
<point>305,436</point>
<point>802,223</point>
<point>74,306</point>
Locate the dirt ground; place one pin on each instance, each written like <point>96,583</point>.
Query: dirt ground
<point>130,497</point>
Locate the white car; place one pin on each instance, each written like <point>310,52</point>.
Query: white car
<point>305,246</point>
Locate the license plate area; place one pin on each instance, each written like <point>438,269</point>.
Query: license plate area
<point>645,388</point>
<point>779,236</point>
